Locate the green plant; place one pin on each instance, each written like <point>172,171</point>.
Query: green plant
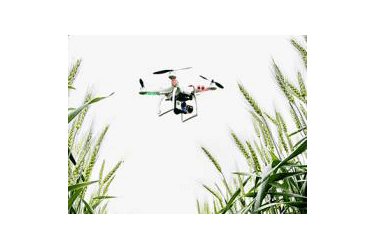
<point>276,180</point>
<point>83,151</point>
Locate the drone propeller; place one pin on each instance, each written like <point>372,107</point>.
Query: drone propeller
<point>141,82</point>
<point>168,70</point>
<point>212,81</point>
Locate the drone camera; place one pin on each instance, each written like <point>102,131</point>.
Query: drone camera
<point>189,109</point>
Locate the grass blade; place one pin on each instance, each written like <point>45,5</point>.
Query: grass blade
<point>80,185</point>
<point>88,207</point>
<point>75,112</point>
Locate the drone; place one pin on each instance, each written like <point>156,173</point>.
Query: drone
<point>183,101</point>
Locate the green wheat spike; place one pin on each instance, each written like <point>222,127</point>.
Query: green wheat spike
<point>301,50</point>
<point>71,135</point>
<point>101,173</point>
<point>250,99</point>
<point>73,72</point>
<point>101,177</point>
<point>303,111</point>
<point>254,158</point>
<point>105,190</point>
<point>266,137</point>
<point>301,85</point>
<point>271,118</point>
<point>259,152</point>
<point>256,128</point>
<point>281,121</point>
<point>281,81</point>
<point>295,92</point>
<point>295,119</point>
<point>268,159</point>
<point>82,157</point>
<point>282,141</point>
<point>240,146</point>
<point>216,164</point>
<point>112,172</point>
<point>94,154</point>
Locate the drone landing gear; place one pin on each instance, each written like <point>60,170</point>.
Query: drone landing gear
<point>164,111</point>
<point>191,109</point>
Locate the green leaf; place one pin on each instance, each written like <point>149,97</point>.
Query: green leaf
<point>287,194</point>
<point>71,87</point>
<point>274,157</point>
<point>75,112</point>
<point>268,171</point>
<point>299,204</point>
<point>291,203</point>
<point>104,197</point>
<point>295,166</point>
<point>214,193</point>
<point>233,198</point>
<point>88,207</point>
<point>72,198</point>
<point>241,173</point>
<point>296,132</point>
<point>80,185</point>
<point>281,176</point>
<point>71,158</point>
<point>299,142</point>
<point>264,186</point>
<point>301,148</point>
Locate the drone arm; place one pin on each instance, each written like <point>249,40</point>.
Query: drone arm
<point>194,91</point>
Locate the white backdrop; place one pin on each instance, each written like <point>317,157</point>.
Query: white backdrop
<point>164,166</point>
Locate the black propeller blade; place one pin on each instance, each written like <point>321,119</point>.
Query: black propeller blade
<point>141,82</point>
<point>163,71</point>
<point>219,85</point>
<point>168,70</point>
<point>212,81</point>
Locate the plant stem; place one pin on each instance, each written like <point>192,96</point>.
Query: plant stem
<point>269,131</point>
<point>304,124</point>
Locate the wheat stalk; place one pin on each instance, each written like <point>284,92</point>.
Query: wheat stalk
<point>112,172</point>
<point>271,192</point>
<point>282,82</point>
<point>216,164</point>
<point>295,92</point>
<point>303,111</point>
<point>94,154</point>
<point>73,72</point>
<point>241,147</point>
<point>254,158</point>
<point>273,120</point>
<point>281,121</point>
<point>257,131</point>
<point>302,86</point>
<point>301,50</point>
<point>250,100</point>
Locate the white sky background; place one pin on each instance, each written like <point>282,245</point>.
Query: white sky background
<point>164,166</point>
